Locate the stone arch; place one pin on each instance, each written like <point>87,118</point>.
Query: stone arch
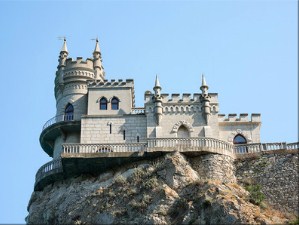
<point>183,132</point>
<point>239,132</point>
<point>179,124</point>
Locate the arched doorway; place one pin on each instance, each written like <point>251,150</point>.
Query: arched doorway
<point>183,132</point>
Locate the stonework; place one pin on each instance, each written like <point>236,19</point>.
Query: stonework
<point>98,128</point>
<point>214,167</point>
<point>82,84</point>
<point>277,173</point>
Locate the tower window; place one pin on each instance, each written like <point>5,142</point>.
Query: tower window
<point>69,112</point>
<point>103,103</point>
<point>240,139</point>
<point>110,125</point>
<point>137,138</point>
<point>124,134</point>
<point>114,103</point>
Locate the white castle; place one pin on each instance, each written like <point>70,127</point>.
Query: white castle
<point>97,118</point>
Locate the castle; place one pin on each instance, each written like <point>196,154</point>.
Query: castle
<point>97,124</point>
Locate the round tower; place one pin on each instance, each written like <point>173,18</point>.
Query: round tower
<point>71,99</point>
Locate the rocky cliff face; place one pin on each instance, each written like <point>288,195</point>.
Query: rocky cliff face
<point>164,191</point>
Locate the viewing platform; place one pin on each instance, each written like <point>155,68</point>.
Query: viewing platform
<point>58,125</point>
<point>77,158</point>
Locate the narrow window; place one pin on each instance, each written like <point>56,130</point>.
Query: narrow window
<point>240,139</point>
<point>137,138</point>
<point>110,128</point>
<point>69,112</point>
<point>103,103</point>
<point>114,103</point>
<point>124,134</point>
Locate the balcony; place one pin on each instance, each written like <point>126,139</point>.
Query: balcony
<point>80,158</point>
<point>262,147</point>
<point>56,126</point>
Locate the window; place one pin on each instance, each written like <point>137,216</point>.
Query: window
<point>114,103</point>
<point>137,138</point>
<point>240,139</point>
<point>69,112</point>
<point>124,135</point>
<point>103,103</point>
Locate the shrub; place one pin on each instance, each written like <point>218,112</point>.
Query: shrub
<point>255,194</point>
<point>151,183</point>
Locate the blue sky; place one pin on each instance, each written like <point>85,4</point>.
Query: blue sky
<point>248,51</point>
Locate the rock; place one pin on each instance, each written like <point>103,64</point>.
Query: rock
<point>168,192</point>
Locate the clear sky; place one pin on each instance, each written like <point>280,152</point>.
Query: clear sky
<point>248,51</point>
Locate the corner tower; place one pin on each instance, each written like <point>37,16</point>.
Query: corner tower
<point>71,99</point>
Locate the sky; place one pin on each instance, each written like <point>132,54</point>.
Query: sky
<point>248,51</point>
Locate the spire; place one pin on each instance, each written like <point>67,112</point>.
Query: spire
<point>64,48</point>
<point>204,87</point>
<point>97,47</point>
<point>157,88</point>
<point>203,81</point>
<point>157,82</point>
<point>99,73</point>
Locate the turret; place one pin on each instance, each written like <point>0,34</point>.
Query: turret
<point>62,62</point>
<point>205,100</point>
<point>158,101</point>
<point>99,73</point>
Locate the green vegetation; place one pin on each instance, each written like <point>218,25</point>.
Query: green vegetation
<point>256,196</point>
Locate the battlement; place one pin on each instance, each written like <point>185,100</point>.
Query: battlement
<point>243,117</point>
<point>111,84</point>
<point>79,63</point>
<point>178,98</point>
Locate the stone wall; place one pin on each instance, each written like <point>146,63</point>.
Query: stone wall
<point>214,166</point>
<point>96,129</point>
<point>277,173</point>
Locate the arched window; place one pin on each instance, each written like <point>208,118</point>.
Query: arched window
<point>240,139</point>
<point>103,103</point>
<point>183,132</point>
<point>114,103</point>
<point>69,112</point>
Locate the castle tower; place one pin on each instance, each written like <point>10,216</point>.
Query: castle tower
<point>205,100</point>
<point>99,73</point>
<point>158,101</point>
<point>71,99</point>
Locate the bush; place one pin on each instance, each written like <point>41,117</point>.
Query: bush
<point>255,194</point>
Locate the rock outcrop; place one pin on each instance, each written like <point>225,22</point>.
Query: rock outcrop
<point>166,190</point>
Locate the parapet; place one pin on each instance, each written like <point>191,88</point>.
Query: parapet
<point>79,63</point>
<point>111,84</point>
<point>243,117</point>
<point>176,98</point>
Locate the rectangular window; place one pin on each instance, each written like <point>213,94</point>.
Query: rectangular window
<point>124,134</point>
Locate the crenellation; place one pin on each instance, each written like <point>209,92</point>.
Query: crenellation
<point>243,117</point>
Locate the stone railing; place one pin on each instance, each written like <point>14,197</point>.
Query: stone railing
<point>52,167</point>
<point>260,147</point>
<point>103,148</point>
<point>57,119</point>
<point>183,143</point>
<point>137,111</point>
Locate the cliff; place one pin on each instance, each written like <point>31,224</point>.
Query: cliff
<point>166,190</point>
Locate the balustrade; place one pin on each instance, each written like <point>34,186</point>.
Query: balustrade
<point>57,119</point>
<point>137,111</point>
<point>103,148</point>
<point>54,166</point>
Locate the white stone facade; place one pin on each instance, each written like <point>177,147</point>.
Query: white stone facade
<point>118,121</point>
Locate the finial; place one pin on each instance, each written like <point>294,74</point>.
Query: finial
<point>203,80</point>
<point>157,83</point>
<point>64,47</point>
<point>97,47</point>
